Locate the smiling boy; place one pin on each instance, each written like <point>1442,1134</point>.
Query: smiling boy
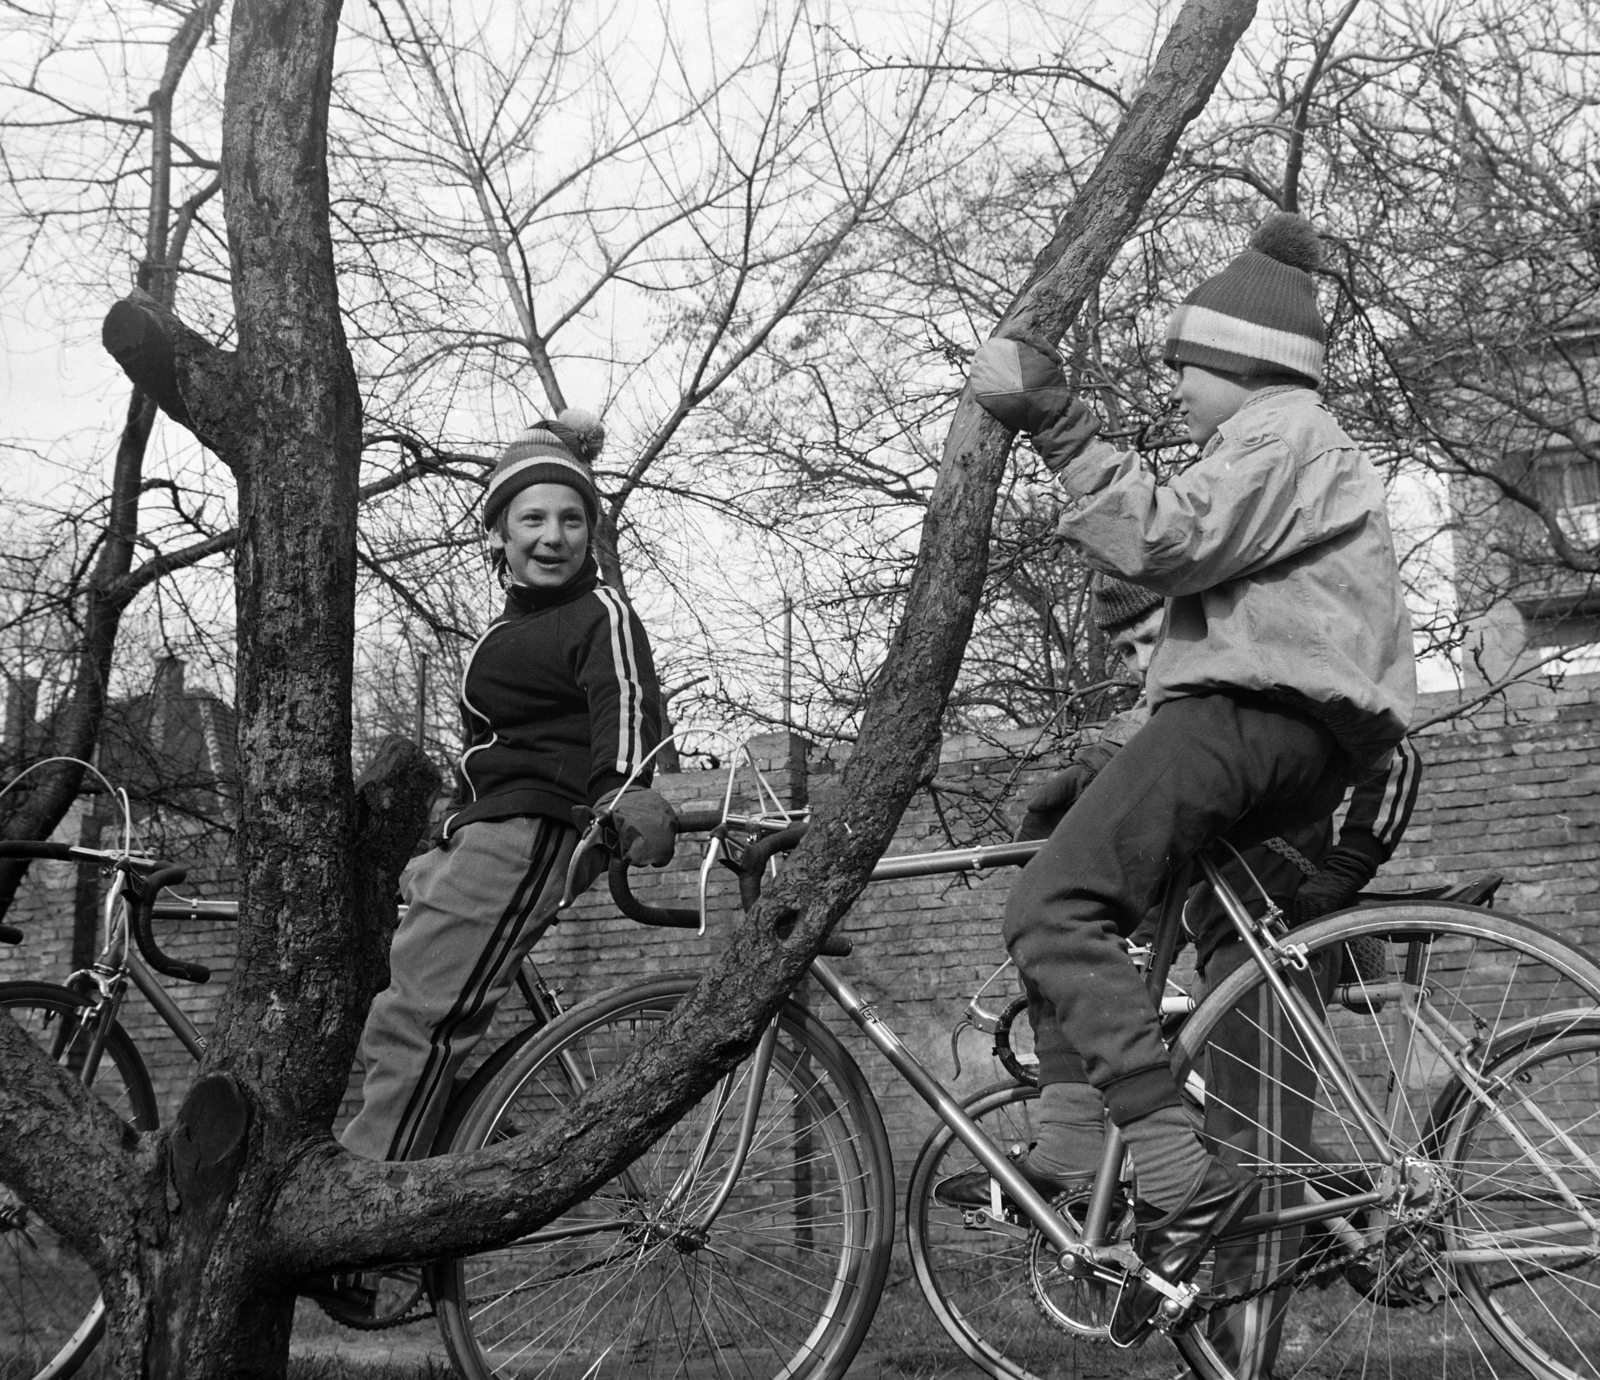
<point>561,708</point>
<point>1285,673</point>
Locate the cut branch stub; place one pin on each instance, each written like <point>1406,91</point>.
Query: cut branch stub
<point>392,799</point>
<point>189,378</point>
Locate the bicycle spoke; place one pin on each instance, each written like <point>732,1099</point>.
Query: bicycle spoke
<point>782,1273</point>
<point>1486,1250</point>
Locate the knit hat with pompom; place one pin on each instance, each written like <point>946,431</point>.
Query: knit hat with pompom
<point>1118,604</point>
<point>549,452</point>
<point>1259,315</point>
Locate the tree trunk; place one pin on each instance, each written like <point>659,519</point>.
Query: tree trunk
<point>199,1231</point>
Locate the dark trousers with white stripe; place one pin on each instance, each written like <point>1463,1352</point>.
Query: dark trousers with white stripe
<point>1218,765</point>
<point>475,909</point>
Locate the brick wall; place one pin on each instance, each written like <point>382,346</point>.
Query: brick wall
<point>1512,790</point>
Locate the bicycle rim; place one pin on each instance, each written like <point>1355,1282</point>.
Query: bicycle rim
<point>1527,1174</point>
<point>1375,1293</point>
<point>51,1316</point>
<point>782,1283</point>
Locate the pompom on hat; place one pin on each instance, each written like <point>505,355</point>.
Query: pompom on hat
<point>1259,315</point>
<point>1119,603</point>
<point>549,452</point>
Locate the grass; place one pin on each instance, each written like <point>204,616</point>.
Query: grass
<point>906,1343</point>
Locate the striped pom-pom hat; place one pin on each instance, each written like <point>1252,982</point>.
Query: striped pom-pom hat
<point>1259,315</point>
<point>548,452</point>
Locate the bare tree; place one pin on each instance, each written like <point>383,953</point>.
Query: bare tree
<point>103,578</point>
<point>195,1265</point>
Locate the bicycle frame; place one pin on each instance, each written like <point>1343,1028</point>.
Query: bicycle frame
<point>1087,1252</point>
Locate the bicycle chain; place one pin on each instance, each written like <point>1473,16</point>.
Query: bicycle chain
<point>418,1308</point>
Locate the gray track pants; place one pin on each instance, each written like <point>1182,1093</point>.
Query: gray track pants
<point>475,910</point>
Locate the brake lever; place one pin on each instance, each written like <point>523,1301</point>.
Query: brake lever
<point>593,835</point>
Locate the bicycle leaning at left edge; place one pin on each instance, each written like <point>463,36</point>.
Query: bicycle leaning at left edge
<point>51,1313</point>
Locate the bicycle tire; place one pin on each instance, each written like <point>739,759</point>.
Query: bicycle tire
<point>783,1284</point>
<point>51,1313</point>
<point>984,1282</point>
<point>1375,1293</point>
<point>1544,1310</point>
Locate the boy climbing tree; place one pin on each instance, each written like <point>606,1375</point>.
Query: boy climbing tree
<point>1284,674</point>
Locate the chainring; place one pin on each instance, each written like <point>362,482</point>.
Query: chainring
<point>402,1298</point>
<point>1081,1308</point>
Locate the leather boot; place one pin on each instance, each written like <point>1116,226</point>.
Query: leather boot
<point>971,1189</point>
<point>1174,1244</point>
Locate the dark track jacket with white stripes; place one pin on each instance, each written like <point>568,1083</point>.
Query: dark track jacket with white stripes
<point>560,703</point>
<point>1380,807</point>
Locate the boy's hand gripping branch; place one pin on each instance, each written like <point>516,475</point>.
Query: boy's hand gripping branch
<point>1020,383</point>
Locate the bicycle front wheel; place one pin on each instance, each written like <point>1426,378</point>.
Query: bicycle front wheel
<point>1418,1002</point>
<point>649,1277</point>
<point>999,1295</point>
<point>51,1315</point>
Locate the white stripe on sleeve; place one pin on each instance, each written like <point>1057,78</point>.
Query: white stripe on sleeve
<point>630,708</point>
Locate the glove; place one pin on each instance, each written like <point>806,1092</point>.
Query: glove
<point>1019,382</point>
<point>1344,872</point>
<point>1064,441</point>
<point>646,832</point>
<point>1048,804</point>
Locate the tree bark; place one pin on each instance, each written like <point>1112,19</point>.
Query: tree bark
<point>203,1230</point>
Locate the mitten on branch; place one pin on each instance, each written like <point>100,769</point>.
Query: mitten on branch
<point>1020,383</point>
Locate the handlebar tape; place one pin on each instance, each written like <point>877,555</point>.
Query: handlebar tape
<point>663,917</point>
<point>145,890</point>
<point>759,854</point>
<point>754,867</point>
<point>697,821</point>
<point>32,848</point>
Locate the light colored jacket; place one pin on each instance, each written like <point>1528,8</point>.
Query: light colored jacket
<point>1275,554</point>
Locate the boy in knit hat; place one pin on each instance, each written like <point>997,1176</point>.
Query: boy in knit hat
<point>1285,672</point>
<point>561,708</point>
<point>1306,875</point>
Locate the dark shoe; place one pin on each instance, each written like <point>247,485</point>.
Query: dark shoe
<point>341,1295</point>
<point>971,1189</point>
<point>1173,1245</point>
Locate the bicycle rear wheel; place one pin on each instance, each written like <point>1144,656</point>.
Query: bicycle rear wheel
<point>1381,1292</point>
<point>1522,1252</point>
<point>51,1315</point>
<point>782,1282</point>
